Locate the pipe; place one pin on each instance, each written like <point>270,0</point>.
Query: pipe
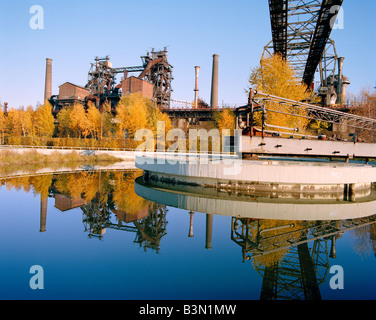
<point>48,82</point>
<point>214,89</point>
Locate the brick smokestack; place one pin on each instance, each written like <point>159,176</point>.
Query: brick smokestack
<point>48,83</point>
<point>214,89</point>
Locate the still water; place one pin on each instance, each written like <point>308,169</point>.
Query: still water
<point>109,235</point>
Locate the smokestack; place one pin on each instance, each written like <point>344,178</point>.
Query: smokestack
<point>340,80</point>
<point>190,234</point>
<point>214,89</point>
<point>43,213</point>
<point>48,83</point>
<point>209,231</point>
<point>197,70</point>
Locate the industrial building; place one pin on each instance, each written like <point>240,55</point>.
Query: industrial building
<point>154,82</point>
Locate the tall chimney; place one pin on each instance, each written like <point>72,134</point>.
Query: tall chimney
<point>197,70</point>
<point>214,89</point>
<point>48,83</point>
<point>340,80</point>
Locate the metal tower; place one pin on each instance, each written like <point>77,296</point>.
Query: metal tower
<point>301,33</point>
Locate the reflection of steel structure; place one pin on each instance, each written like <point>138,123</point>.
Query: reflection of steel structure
<point>300,273</point>
<point>149,230</point>
<point>95,218</point>
<point>152,228</point>
<point>155,69</point>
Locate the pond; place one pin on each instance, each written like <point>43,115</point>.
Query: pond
<point>110,235</point>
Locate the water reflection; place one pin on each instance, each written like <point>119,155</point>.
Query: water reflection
<point>107,201</point>
<point>289,243</point>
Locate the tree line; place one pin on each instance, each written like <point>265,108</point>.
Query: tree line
<point>78,125</point>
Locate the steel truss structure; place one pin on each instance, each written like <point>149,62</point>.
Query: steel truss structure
<point>298,275</point>
<point>300,33</point>
<point>155,69</point>
<point>313,112</point>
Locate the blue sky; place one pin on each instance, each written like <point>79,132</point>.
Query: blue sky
<point>77,31</point>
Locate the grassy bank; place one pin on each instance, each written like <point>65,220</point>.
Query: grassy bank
<point>33,157</point>
<point>31,161</point>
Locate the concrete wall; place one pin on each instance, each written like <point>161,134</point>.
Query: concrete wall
<point>281,146</point>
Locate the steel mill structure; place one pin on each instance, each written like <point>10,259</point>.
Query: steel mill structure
<point>154,81</point>
<point>301,33</point>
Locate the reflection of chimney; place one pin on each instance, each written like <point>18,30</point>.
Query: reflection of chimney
<point>209,231</point>
<point>48,83</point>
<point>333,254</point>
<point>214,92</point>
<point>43,213</point>
<point>191,225</point>
<point>197,70</point>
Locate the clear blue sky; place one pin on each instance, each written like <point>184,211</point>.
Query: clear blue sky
<point>77,31</point>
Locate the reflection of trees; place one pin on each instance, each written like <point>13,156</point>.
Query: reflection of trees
<point>107,201</point>
<point>281,254</point>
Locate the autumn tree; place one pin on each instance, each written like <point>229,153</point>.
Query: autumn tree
<point>106,125</point>
<point>78,121</point>
<point>225,120</point>
<point>93,120</point>
<point>64,122</point>
<point>132,113</point>
<point>44,122</point>
<point>2,126</point>
<point>364,104</point>
<point>275,76</point>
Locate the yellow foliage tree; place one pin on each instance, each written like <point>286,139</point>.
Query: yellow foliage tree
<point>132,113</point>
<point>44,121</point>
<point>275,76</point>
<point>64,120</point>
<point>2,126</point>
<point>94,120</point>
<point>225,120</point>
<point>79,123</point>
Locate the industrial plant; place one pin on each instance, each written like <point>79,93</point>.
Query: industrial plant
<point>152,81</point>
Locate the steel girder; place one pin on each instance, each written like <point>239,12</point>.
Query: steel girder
<point>320,38</point>
<point>309,111</point>
<point>300,32</point>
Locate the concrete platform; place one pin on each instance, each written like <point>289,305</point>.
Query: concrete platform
<point>233,205</point>
<point>316,178</point>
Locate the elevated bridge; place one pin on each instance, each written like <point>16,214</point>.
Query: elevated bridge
<point>301,30</point>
